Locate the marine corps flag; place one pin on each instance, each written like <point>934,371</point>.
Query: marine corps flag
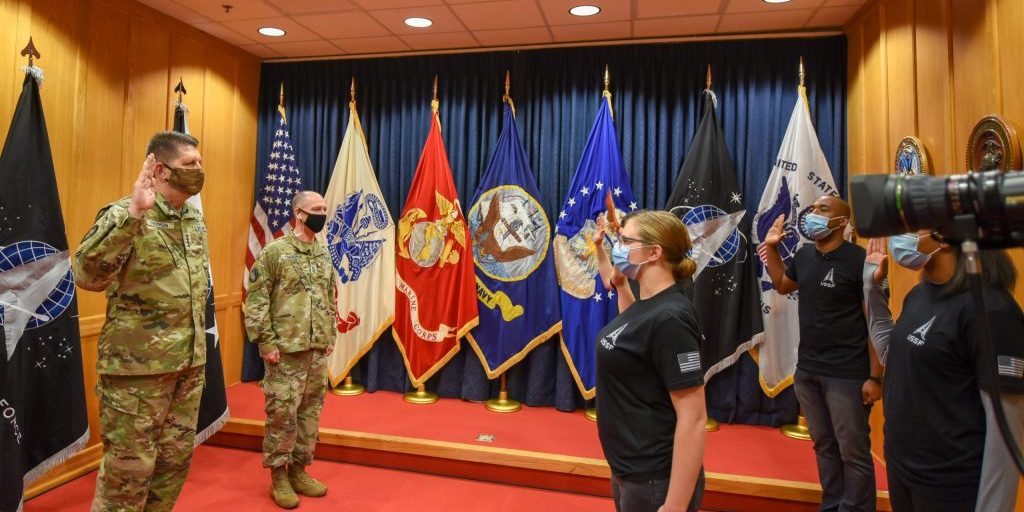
<point>42,392</point>
<point>515,274</point>
<point>213,405</point>
<point>800,175</point>
<point>708,200</point>
<point>360,236</point>
<point>435,303</point>
<point>586,305</point>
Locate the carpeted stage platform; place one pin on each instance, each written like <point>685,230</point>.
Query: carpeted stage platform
<point>537,459</point>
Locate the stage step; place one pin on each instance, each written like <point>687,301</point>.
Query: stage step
<point>558,472</point>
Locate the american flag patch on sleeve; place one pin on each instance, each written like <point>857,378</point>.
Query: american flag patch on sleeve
<point>689,362</point>
<point>1010,366</point>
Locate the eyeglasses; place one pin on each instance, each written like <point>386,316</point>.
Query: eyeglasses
<point>630,241</point>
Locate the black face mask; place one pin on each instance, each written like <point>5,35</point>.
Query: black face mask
<point>315,221</point>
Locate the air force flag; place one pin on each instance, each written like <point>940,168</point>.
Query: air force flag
<point>586,305</point>
<point>515,274</point>
<point>800,176</point>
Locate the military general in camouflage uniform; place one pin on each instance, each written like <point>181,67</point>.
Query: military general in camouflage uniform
<point>289,312</point>
<point>148,252</point>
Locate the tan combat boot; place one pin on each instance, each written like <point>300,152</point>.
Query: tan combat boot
<point>305,484</point>
<point>281,489</point>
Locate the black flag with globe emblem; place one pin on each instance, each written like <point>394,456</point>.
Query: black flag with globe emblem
<point>42,392</point>
<point>706,197</point>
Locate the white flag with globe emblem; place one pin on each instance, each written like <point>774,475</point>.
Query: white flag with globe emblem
<point>800,175</point>
<point>360,236</point>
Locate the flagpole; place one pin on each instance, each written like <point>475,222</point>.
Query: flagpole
<point>421,395</point>
<point>798,430</point>
<point>348,387</point>
<point>711,424</point>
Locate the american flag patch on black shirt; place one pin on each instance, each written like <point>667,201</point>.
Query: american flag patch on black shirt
<point>1010,366</point>
<point>689,362</point>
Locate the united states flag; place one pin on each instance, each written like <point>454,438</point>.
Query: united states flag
<point>276,186</point>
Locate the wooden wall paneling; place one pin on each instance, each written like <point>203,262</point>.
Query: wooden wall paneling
<point>55,39</point>
<point>933,54</point>
<point>875,93</point>
<point>217,127</point>
<point>855,101</point>
<point>9,81</point>
<point>975,70</point>
<point>900,74</point>
<point>1010,44</point>
<point>148,65</point>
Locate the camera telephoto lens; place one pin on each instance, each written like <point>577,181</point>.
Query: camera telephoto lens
<point>886,205</point>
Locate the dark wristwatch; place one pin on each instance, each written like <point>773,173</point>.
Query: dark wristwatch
<point>876,380</point>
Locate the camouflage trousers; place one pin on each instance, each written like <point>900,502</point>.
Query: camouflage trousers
<point>294,388</point>
<point>148,426</point>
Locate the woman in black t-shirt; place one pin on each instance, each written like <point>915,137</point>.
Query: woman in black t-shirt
<point>936,377</point>
<point>650,385</point>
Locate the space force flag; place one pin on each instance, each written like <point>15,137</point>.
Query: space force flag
<point>213,404</point>
<point>360,237</point>
<point>515,274</point>
<point>586,305</point>
<point>42,392</point>
<point>800,175</point>
<point>708,200</point>
<point>435,301</point>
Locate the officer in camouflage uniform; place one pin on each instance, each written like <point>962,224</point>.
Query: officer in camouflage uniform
<point>289,312</point>
<point>148,251</point>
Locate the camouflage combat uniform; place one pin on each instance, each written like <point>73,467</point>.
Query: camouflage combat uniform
<point>152,348</point>
<point>290,307</point>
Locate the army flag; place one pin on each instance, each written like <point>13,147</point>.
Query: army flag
<point>276,185</point>
<point>708,200</point>
<point>42,392</point>
<point>799,176</point>
<point>360,237</point>
<point>515,273</point>
<point>213,405</point>
<point>435,303</point>
<point>586,305</point>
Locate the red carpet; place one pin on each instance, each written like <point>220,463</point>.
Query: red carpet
<point>233,479</point>
<point>735,449</point>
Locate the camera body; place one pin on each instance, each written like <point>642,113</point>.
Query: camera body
<point>991,203</point>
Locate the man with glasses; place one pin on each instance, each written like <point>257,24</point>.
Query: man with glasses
<point>290,313</point>
<point>148,252</point>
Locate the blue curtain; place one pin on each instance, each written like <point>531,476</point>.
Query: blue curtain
<point>656,98</point>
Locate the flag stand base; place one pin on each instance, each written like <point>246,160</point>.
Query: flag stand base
<point>420,396</point>
<point>348,388</point>
<point>711,425</point>
<point>502,403</point>
<point>591,414</point>
<point>798,430</point>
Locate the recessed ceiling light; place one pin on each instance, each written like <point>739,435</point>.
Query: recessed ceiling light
<point>418,22</point>
<point>272,31</point>
<point>584,10</point>
<point>775,1</point>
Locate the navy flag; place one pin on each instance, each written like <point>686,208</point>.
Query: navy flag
<point>213,405</point>
<point>515,274</point>
<point>586,305</point>
<point>42,391</point>
<point>707,199</point>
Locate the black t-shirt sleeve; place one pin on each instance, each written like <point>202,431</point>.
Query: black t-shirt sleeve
<point>791,268</point>
<point>675,352</point>
<point>1006,323</point>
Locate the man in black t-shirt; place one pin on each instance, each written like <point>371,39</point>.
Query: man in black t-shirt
<point>837,376</point>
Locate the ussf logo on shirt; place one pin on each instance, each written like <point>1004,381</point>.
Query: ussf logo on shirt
<point>917,337</point>
<point>689,362</point>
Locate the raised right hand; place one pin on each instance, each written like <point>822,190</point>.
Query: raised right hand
<point>776,232</point>
<point>599,232</point>
<point>878,256</point>
<point>143,194</point>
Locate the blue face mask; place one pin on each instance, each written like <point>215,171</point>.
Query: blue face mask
<point>620,258</point>
<point>904,251</point>
<point>816,226</point>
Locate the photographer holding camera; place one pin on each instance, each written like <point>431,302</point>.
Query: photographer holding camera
<point>940,448</point>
